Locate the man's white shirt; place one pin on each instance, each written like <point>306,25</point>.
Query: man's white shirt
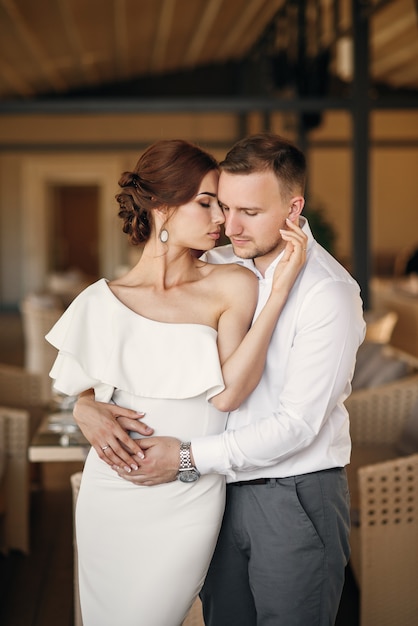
<point>295,421</point>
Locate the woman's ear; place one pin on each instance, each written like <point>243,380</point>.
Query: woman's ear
<point>162,211</point>
<point>161,216</point>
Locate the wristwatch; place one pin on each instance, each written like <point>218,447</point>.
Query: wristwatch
<point>187,472</point>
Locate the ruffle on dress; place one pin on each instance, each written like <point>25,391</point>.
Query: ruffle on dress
<point>105,345</point>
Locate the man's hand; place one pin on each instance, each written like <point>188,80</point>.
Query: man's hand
<point>105,426</point>
<point>160,465</point>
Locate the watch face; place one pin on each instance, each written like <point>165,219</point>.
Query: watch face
<point>188,476</point>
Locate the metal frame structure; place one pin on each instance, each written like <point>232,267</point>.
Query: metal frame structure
<point>358,103</point>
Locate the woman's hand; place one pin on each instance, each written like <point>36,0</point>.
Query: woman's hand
<point>293,259</point>
<point>105,426</point>
<point>160,465</point>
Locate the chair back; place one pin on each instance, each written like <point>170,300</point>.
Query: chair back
<point>39,314</point>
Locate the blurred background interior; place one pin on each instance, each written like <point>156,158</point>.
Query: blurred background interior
<point>85,86</point>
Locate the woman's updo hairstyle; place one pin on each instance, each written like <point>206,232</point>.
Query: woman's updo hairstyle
<point>168,174</point>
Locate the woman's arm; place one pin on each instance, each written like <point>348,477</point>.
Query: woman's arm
<point>243,359</point>
<point>106,425</point>
<point>243,364</point>
<point>242,355</point>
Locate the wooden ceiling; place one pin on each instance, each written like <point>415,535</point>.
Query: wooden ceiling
<point>62,47</point>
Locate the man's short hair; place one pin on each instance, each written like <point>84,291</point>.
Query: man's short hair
<point>268,152</point>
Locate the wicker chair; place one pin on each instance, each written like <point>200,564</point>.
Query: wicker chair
<point>387,542</point>
<point>14,480</point>
<point>194,617</point>
<point>21,389</point>
<point>38,318</point>
<point>380,326</point>
<point>21,409</point>
<point>384,492</point>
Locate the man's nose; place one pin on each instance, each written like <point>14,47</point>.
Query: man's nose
<point>232,224</point>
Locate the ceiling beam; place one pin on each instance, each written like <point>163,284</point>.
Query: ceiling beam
<point>19,85</point>
<point>31,43</point>
<point>86,69</point>
<point>163,105</point>
<point>164,26</point>
<point>198,41</point>
<point>120,22</point>
<point>238,31</point>
<point>395,60</point>
<point>404,76</point>
<point>388,33</point>
<point>197,105</point>
<point>265,17</point>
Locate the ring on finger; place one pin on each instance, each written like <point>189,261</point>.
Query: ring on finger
<point>105,447</point>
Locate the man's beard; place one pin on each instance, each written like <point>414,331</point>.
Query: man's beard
<point>260,251</point>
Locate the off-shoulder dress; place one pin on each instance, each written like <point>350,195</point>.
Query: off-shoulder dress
<point>143,551</point>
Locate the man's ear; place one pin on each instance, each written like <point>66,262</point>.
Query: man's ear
<point>296,206</point>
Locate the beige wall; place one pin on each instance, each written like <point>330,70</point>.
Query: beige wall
<point>63,146</point>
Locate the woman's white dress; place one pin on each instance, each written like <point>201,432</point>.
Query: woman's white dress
<point>143,551</point>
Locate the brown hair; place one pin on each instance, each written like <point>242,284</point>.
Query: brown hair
<point>167,174</point>
<point>267,151</point>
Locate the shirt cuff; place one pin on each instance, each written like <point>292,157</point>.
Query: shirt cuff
<point>209,455</point>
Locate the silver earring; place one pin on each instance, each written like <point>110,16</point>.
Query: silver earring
<point>163,236</point>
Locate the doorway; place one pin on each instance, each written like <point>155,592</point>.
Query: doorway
<point>105,239</point>
<point>74,229</point>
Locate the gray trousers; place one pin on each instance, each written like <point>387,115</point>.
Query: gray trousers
<point>281,554</point>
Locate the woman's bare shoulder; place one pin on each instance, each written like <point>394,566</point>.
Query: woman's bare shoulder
<point>234,279</point>
<point>233,271</point>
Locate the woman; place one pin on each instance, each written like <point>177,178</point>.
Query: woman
<point>169,339</point>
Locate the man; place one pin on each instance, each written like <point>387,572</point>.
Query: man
<point>284,542</point>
